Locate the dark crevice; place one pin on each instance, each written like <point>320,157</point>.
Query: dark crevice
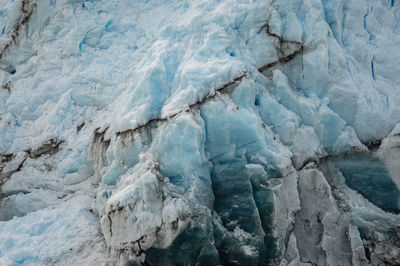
<point>367,251</point>
<point>3,163</point>
<point>141,251</point>
<point>5,158</point>
<point>49,147</point>
<point>7,86</point>
<point>191,106</point>
<point>97,151</point>
<point>21,165</point>
<point>4,177</point>
<point>80,126</point>
<point>10,69</point>
<point>111,233</point>
<point>374,145</point>
<point>282,60</point>
<point>372,68</point>
<point>99,135</point>
<point>283,45</point>
<point>310,262</point>
<point>276,36</point>
<point>27,9</point>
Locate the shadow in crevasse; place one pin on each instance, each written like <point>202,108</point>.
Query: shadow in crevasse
<point>369,177</point>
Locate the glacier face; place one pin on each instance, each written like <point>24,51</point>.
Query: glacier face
<point>208,132</point>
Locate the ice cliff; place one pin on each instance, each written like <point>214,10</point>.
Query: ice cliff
<point>230,132</point>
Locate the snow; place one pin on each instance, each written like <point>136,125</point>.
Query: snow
<point>50,236</point>
<point>181,122</point>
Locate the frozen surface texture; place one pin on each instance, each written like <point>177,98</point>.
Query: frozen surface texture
<point>228,132</point>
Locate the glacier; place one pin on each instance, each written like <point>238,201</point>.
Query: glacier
<point>200,132</point>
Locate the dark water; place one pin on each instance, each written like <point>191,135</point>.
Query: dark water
<point>369,177</point>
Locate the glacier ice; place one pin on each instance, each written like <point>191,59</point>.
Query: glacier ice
<point>199,132</point>
<point>51,235</point>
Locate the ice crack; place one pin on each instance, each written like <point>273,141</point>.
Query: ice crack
<point>27,9</point>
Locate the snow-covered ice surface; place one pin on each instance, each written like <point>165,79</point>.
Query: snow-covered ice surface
<point>67,234</point>
<point>210,132</point>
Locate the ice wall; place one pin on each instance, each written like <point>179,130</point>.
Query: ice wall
<point>200,132</point>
